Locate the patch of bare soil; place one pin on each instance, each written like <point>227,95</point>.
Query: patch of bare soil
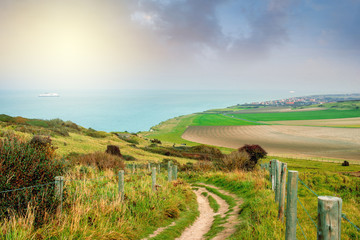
<point>321,122</point>
<point>203,223</point>
<point>233,219</point>
<point>343,143</point>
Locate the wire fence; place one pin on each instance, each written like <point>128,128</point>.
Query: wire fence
<point>277,170</point>
<point>140,170</point>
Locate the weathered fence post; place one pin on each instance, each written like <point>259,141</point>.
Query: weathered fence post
<point>273,173</point>
<point>153,178</point>
<point>174,172</point>
<point>121,184</point>
<point>159,168</point>
<point>59,190</point>
<point>291,205</point>
<point>270,173</point>
<point>169,171</point>
<point>133,168</point>
<point>149,167</point>
<point>282,191</point>
<point>329,218</point>
<point>277,180</point>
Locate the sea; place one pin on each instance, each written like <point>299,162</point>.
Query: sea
<point>125,110</point>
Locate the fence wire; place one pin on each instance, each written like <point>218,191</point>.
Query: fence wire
<point>301,229</point>
<point>308,187</point>
<point>307,213</point>
<point>344,217</point>
<point>35,186</point>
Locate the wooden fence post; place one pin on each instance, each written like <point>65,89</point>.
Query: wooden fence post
<point>174,172</point>
<point>121,184</point>
<point>169,171</point>
<point>282,191</point>
<point>291,205</point>
<point>149,167</point>
<point>270,173</point>
<point>133,168</point>
<point>329,218</point>
<point>273,173</point>
<point>59,190</point>
<point>153,178</point>
<point>159,168</point>
<point>277,180</point>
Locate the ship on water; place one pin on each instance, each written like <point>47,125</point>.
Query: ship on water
<point>49,95</point>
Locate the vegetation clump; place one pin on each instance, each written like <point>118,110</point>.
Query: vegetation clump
<point>23,165</point>
<point>255,153</point>
<point>113,150</point>
<point>101,160</point>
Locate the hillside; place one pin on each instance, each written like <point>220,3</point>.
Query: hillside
<point>222,202</point>
<point>233,126</point>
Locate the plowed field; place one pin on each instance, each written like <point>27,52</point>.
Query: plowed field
<point>283,140</point>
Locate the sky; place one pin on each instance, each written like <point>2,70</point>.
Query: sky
<point>292,45</point>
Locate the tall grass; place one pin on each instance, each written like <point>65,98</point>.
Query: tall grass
<point>92,208</point>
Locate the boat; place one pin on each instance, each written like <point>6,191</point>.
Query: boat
<point>49,95</point>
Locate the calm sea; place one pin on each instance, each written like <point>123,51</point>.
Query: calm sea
<point>120,110</point>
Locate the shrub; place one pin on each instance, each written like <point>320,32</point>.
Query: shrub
<point>345,163</point>
<point>129,158</point>
<point>255,153</point>
<point>102,161</point>
<point>233,161</point>
<point>95,134</point>
<point>24,164</point>
<point>210,153</point>
<point>157,141</point>
<point>113,150</point>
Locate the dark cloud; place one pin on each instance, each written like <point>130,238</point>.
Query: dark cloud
<point>195,25</point>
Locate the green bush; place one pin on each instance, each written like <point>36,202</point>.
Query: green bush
<point>25,164</point>
<point>95,134</point>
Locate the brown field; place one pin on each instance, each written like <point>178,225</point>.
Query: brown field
<point>342,143</point>
<point>341,122</point>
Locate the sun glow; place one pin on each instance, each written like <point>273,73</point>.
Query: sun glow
<point>53,39</point>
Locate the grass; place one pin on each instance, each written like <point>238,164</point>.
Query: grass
<point>186,219</point>
<point>218,120</point>
<point>213,204</point>
<point>93,205</point>
<point>305,115</point>
<point>303,165</point>
<point>171,130</point>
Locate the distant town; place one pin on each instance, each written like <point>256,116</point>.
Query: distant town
<point>308,100</point>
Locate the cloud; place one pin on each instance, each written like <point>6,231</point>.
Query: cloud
<point>195,26</point>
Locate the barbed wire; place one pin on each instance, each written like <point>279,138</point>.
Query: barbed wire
<point>35,186</point>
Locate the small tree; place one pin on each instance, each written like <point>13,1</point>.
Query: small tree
<point>255,153</point>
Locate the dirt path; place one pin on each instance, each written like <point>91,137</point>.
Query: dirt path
<point>233,220</point>
<point>203,223</point>
<point>205,220</point>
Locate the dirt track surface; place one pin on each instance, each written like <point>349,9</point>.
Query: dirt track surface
<point>283,140</point>
<point>203,223</point>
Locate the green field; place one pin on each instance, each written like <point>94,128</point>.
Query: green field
<point>306,115</point>
<point>218,120</point>
<point>172,129</point>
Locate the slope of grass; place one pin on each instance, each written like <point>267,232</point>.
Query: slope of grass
<point>305,115</point>
<point>92,209</point>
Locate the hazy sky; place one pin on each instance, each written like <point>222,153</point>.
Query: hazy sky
<point>180,44</point>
